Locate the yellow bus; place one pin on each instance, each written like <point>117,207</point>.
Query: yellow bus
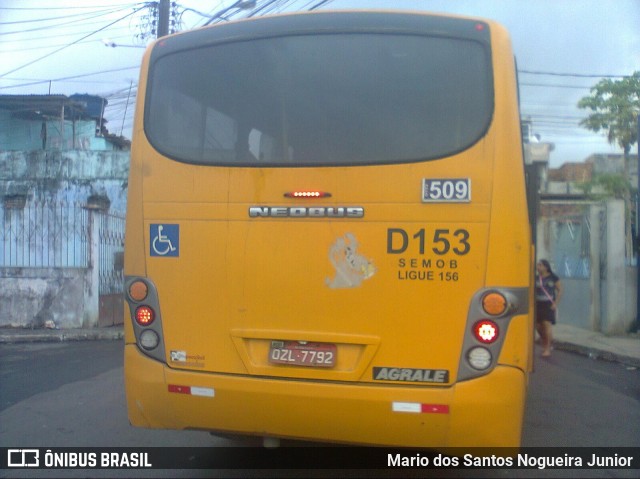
<point>327,233</point>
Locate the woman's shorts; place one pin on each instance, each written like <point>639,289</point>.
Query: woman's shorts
<point>544,312</point>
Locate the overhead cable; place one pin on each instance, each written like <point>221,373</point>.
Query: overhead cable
<point>70,44</point>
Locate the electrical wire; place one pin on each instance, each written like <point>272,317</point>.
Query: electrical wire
<point>546,85</point>
<point>111,37</point>
<point>41,38</point>
<point>73,7</point>
<point>574,75</point>
<point>71,77</point>
<point>542,114</point>
<point>48,19</point>
<point>70,44</point>
<point>56,25</point>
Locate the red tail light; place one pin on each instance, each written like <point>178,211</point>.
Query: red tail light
<point>145,315</point>
<point>486,331</point>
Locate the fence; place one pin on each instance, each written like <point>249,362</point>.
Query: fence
<point>111,252</point>
<point>44,234</point>
<point>46,247</point>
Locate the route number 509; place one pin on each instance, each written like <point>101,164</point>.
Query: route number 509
<point>446,190</point>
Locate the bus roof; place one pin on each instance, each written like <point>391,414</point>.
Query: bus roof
<point>352,21</point>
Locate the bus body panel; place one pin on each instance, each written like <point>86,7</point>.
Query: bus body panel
<point>252,280</point>
<point>364,414</point>
<point>391,281</point>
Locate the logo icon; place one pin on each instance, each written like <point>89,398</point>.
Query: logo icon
<point>23,458</point>
<point>179,356</point>
<point>164,240</point>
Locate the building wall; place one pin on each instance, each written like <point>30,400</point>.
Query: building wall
<point>31,296</point>
<point>69,295</point>
<point>71,176</point>
<point>579,172</point>
<point>24,135</point>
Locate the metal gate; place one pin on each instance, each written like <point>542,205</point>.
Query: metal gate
<point>570,256</point>
<point>585,243</point>
<point>111,268</point>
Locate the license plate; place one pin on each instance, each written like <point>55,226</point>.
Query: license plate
<point>297,353</point>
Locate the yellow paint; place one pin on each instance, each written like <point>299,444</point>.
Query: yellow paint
<point>240,283</point>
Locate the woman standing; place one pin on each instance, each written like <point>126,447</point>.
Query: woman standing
<point>548,293</point>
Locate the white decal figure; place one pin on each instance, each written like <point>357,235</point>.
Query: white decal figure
<point>351,267</point>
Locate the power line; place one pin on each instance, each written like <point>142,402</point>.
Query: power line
<point>70,44</point>
<point>74,7</point>
<point>70,77</point>
<point>566,118</point>
<point>320,4</point>
<point>41,47</point>
<point>41,38</point>
<point>546,85</point>
<point>574,75</point>
<point>48,19</point>
<point>56,25</point>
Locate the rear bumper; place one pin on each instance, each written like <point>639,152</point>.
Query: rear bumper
<point>467,414</point>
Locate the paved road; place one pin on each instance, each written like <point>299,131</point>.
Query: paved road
<point>71,394</point>
<point>582,402</point>
<point>32,368</point>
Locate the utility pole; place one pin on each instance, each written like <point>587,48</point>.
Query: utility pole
<point>164,12</point>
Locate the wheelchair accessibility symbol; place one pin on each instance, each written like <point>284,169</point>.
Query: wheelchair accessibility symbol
<point>165,240</point>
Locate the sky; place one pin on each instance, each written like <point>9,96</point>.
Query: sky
<point>563,48</point>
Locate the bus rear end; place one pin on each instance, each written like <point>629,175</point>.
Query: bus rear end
<point>327,234</point>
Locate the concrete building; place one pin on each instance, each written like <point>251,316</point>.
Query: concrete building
<point>583,236</point>
<point>63,186</point>
<point>56,122</point>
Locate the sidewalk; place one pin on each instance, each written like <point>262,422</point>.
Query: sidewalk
<point>23,335</point>
<point>622,349</point>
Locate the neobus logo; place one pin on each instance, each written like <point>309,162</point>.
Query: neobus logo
<point>303,212</point>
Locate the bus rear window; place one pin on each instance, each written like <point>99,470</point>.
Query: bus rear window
<point>315,100</point>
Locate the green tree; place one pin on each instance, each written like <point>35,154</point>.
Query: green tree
<point>607,185</point>
<point>614,105</point>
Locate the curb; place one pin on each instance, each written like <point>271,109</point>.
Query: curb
<point>61,335</point>
<point>594,353</point>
